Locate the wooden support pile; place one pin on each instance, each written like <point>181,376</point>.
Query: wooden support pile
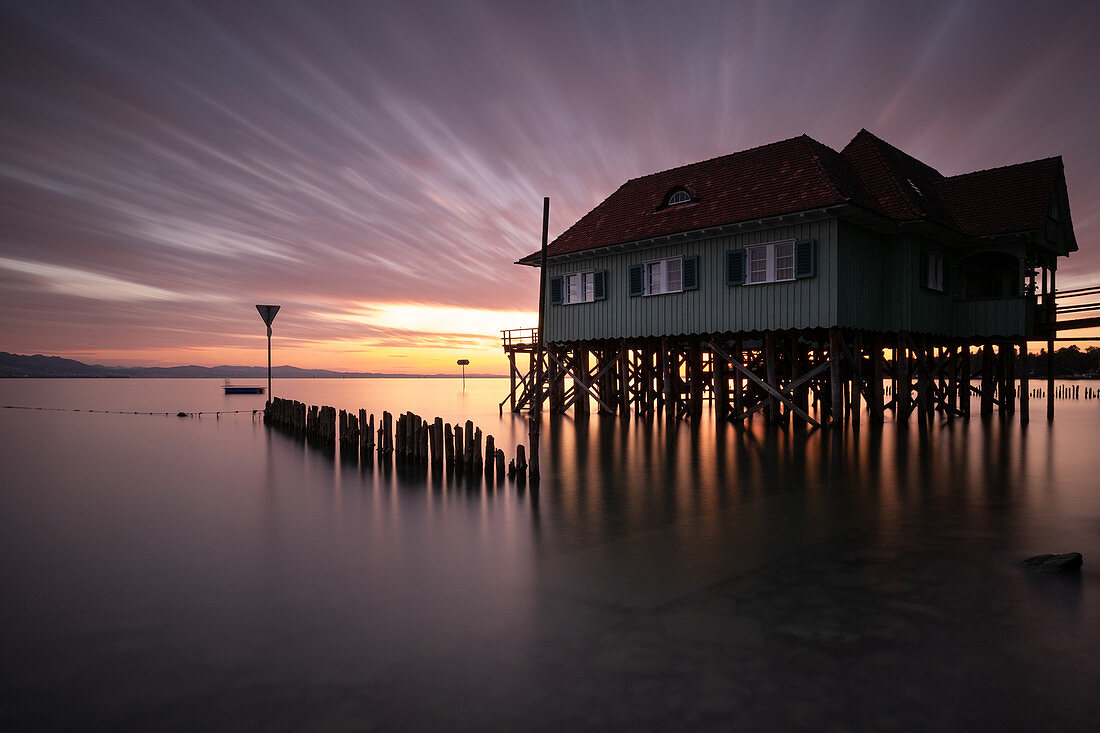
<point>819,377</point>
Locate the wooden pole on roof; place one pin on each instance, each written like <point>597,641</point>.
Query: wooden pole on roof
<point>535,420</point>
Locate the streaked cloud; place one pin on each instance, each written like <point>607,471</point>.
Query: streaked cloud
<point>339,157</point>
<point>84,284</point>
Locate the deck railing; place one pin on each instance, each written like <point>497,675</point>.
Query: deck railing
<point>1075,295</point>
<point>519,337</point>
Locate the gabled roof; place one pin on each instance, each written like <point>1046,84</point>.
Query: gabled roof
<point>1015,198</point>
<point>801,174</point>
<point>901,185</point>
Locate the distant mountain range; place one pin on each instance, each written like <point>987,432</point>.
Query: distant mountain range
<point>19,365</point>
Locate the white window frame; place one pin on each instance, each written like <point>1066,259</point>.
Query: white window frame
<point>659,277</point>
<point>581,284</point>
<point>679,197</point>
<point>935,272</point>
<point>774,261</point>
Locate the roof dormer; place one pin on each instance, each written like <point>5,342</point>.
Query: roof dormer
<point>677,196</point>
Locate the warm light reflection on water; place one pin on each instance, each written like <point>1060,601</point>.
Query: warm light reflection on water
<point>173,572</point>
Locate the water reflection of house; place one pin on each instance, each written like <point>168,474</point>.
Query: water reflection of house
<point>735,278</point>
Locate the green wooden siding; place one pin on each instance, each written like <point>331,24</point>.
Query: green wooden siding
<point>932,311</point>
<point>869,276</point>
<point>864,280</point>
<point>712,308</point>
<point>994,317</point>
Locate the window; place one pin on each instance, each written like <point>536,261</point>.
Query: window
<point>770,263</point>
<point>676,196</point>
<point>932,271</point>
<point>578,287</point>
<point>679,197</point>
<point>669,275</point>
<point>664,276</point>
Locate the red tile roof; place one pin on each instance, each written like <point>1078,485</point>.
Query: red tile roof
<point>1015,198</point>
<point>801,174</point>
<point>900,184</point>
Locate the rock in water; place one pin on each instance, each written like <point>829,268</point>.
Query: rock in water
<point>1067,562</point>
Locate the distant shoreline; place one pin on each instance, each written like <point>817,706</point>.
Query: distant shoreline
<point>38,366</point>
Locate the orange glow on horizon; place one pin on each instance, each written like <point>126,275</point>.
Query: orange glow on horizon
<point>398,338</point>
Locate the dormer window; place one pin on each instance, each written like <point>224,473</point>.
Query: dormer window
<point>679,197</point>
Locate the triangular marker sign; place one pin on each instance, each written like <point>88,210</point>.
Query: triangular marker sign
<point>267,312</point>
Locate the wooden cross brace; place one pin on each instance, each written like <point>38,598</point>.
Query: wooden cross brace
<point>576,382</point>
<point>784,396</point>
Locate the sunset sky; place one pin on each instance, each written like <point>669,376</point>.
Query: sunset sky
<point>376,168</point>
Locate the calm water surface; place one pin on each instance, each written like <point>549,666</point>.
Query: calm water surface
<point>207,573</point>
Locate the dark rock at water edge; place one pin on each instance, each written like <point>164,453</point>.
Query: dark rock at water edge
<point>1066,562</point>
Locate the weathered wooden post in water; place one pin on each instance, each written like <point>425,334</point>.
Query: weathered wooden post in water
<point>536,404</point>
<point>267,312</point>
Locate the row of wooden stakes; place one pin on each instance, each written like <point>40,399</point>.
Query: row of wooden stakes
<point>1070,392</point>
<point>410,438</point>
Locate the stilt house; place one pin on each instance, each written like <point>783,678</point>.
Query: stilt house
<point>769,262</point>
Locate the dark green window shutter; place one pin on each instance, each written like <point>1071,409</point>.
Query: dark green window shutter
<point>555,291</point>
<point>690,273</point>
<point>735,267</point>
<point>805,258</point>
<point>923,274</point>
<point>636,277</point>
<point>599,285</point>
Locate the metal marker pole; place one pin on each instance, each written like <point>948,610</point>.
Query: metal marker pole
<point>267,313</point>
<point>269,395</point>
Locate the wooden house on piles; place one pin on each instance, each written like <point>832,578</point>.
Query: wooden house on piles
<point>791,279</point>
